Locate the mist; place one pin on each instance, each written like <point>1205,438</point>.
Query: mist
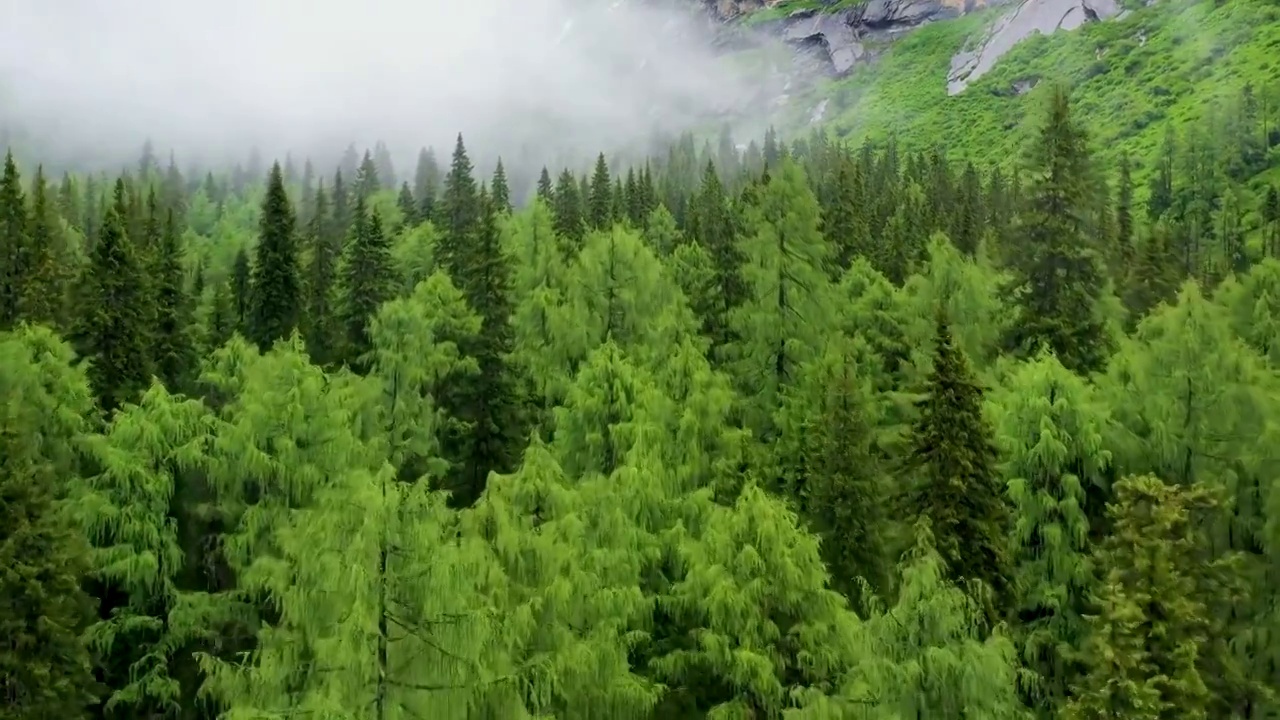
<point>536,78</point>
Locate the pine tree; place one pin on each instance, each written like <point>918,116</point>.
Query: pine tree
<point>956,484</point>
<point>112,328</point>
<point>1058,275</point>
<point>275,297</point>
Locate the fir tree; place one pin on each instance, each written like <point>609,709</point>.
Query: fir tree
<point>275,288</point>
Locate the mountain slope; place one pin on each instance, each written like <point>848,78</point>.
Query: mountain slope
<point>1132,77</point>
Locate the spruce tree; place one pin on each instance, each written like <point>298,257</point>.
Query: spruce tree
<point>174,348</point>
<point>600,199</point>
<point>499,191</point>
<point>367,182</point>
<point>713,226</point>
<point>321,328</point>
<point>14,245</point>
<point>368,280</point>
<point>44,291</point>
<point>545,189</point>
<point>1058,275</point>
<point>426,182</point>
<point>458,213</point>
<point>275,297</point>
<point>488,403</point>
<point>567,209</point>
<point>955,482</point>
<point>241,279</point>
<point>112,329</point>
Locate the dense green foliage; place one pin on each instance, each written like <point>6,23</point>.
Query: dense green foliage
<point>798,432</point>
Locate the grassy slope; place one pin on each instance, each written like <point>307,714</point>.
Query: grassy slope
<point>1125,91</point>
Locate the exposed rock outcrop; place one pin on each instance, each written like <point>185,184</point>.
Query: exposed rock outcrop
<point>1032,16</point>
<point>844,35</point>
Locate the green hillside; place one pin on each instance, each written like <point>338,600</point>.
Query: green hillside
<point>1195,60</point>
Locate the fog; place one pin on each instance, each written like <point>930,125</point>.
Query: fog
<point>212,79</point>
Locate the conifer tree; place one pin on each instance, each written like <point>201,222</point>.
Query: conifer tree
<point>320,328</point>
<point>14,245</point>
<point>488,403</point>
<point>712,225</point>
<point>1058,274</point>
<point>44,289</point>
<point>828,464</point>
<point>458,213</point>
<point>368,280</point>
<point>499,191</point>
<point>600,200</point>
<point>545,190</point>
<point>45,669</point>
<point>406,205</point>
<point>1142,653</point>
<point>426,181</point>
<point>241,283</point>
<point>275,295</point>
<point>568,211</point>
<point>112,328</point>
<point>174,346</point>
<point>956,484</point>
<point>367,182</point>
<point>1052,430</point>
<point>783,322</point>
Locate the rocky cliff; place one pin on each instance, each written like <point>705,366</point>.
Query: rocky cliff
<point>845,33</point>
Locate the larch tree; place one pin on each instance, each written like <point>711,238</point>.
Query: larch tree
<point>45,667</point>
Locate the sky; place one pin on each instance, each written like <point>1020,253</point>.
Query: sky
<point>206,78</point>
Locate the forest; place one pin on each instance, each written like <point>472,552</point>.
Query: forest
<point>804,431</point>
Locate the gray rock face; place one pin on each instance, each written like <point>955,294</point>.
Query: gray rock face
<point>843,34</point>
<point>1032,16</point>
